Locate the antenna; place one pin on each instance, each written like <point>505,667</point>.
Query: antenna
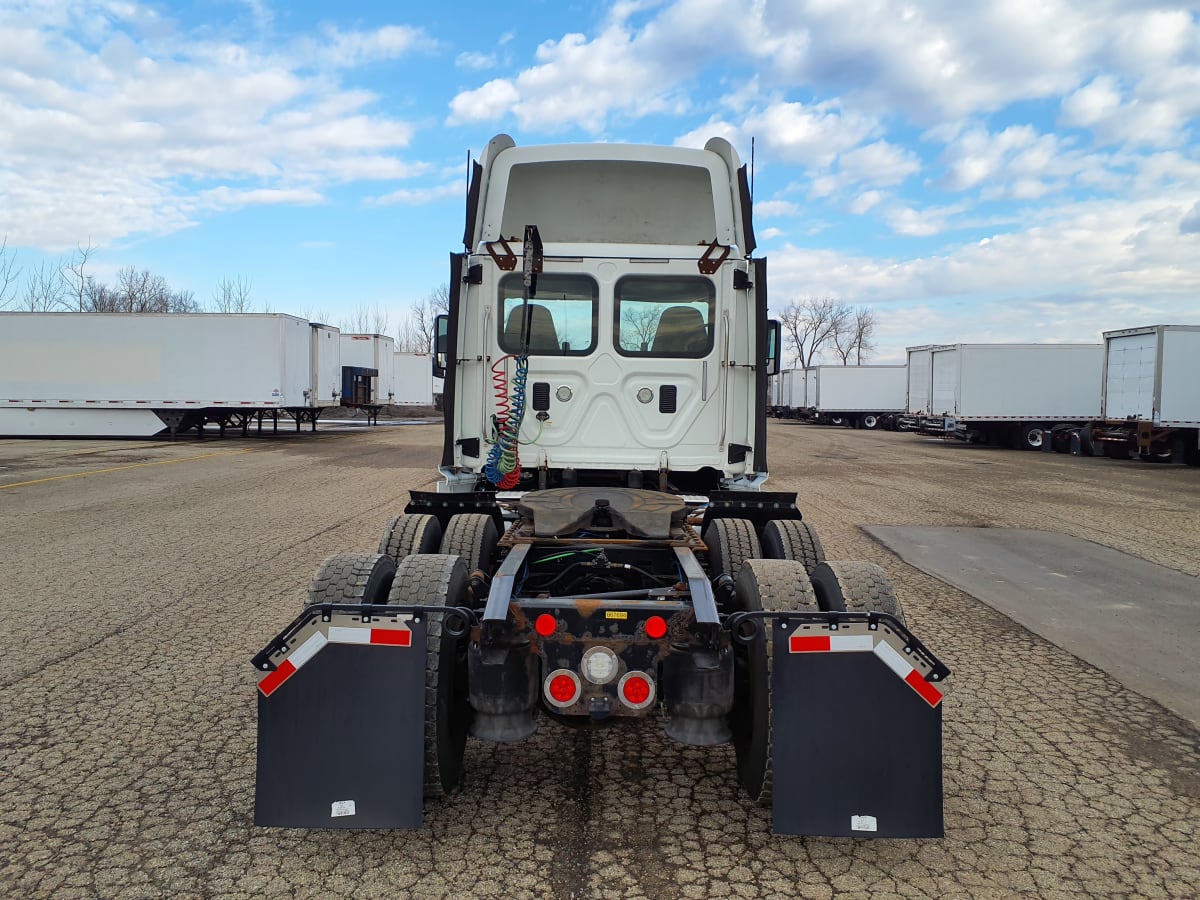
<point>467,188</point>
<point>751,169</point>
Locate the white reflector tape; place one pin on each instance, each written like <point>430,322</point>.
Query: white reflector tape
<point>307,650</point>
<point>843,643</point>
<point>894,660</point>
<point>340,634</point>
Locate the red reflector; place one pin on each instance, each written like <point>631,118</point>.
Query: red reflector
<point>656,627</point>
<point>817,643</point>
<point>391,637</point>
<point>545,625</point>
<point>931,695</point>
<point>636,690</point>
<point>276,678</point>
<point>562,688</point>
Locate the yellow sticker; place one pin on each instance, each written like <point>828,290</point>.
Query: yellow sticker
<point>616,614</point>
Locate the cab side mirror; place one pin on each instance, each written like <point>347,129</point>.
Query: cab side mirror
<point>441,350</point>
<point>774,334</point>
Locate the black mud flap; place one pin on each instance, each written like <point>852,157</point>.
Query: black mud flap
<point>340,723</point>
<point>857,728</point>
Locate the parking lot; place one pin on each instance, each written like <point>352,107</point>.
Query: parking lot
<point>140,577</point>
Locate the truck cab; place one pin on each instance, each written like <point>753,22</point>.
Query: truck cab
<point>645,328</point>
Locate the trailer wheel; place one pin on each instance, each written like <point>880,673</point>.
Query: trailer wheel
<point>730,543</point>
<point>1030,437</point>
<point>869,421</point>
<point>795,540</point>
<point>472,536</point>
<point>438,580</point>
<point>854,587</point>
<point>352,578</point>
<point>772,584</point>
<point>408,534</point>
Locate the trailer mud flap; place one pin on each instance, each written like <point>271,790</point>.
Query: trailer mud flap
<point>856,728</point>
<point>341,723</point>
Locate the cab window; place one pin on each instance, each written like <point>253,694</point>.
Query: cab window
<point>664,316</point>
<point>560,319</point>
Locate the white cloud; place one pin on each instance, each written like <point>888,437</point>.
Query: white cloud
<point>484,103</point>
<point>107,134</point>
<point>865,202</point>
<point>1190,223</point>
<point>419,196</point>
<point>475,61</point>
<point>768,208</point>
<point>921,222</point>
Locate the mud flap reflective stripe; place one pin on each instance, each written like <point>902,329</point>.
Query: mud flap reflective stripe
<point>341,736</point>
<point>856,738</point>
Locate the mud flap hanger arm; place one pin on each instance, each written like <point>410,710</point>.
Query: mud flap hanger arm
<point>457,622</point>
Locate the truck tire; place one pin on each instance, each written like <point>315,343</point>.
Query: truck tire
<point>1030,437</point>
<point>730,543</point>
<point>438,580</point>
<point>352,578</point>
<point>868,421</point>
<point>855,587</point>
<point>771,584</point>
<point>408,534</point>
<point>795,540</point>
<point>472,536</point>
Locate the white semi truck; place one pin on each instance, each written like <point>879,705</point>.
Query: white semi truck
<point>600,551</point>
<point>1010,394</point>
<point>1151,394</point>
<point>138,374</point>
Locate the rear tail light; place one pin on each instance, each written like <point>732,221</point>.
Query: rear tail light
<point>656,628</point>
<point>636,690</point>
<point>562,688</point>
<point>545,625</point>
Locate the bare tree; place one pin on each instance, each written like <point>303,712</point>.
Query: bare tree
<point>320,316</point>
<point>639,324</point>
<point>75,277</point>
<point>810,324</point>
<point>366,320</point>
<point>232,295</point>
<point>43,289</point>
<point>419,331</point>
<point>864,332</point>
<point>8,273</point>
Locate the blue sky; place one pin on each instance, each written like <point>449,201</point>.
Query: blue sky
<point>993,171</point>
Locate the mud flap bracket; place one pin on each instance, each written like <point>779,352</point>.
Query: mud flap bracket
<point>856,728</point>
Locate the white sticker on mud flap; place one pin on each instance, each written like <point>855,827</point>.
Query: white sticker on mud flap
<point>342,808</point>
<point>862,823</point>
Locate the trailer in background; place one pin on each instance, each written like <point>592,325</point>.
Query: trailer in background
<point>788,394</point>
<point>1011,394</point>
<point>414,379</point>
<point>1151,394</point>
<point>326,366</point>
<point>138,374</point>
<point>857,396</point>
<point>368,371</point>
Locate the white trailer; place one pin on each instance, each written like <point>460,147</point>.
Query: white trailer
<point>1151,394</point>
<point>368,352</point>
<point>858,396</point>
<point>326,366</point>
<point>136,374</point>
<point>414,379</point>
<point>788,393</point>
<point>1012,393</point>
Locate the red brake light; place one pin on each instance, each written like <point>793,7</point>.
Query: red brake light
<point>656,627</point>
<point>563,689</point>
<point>545,625</point>
<point>636,689</point>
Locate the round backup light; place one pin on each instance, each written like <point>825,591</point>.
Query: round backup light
<point>637,690</point>
<point>563,393</point>
<point>545,624</point>
<point>599,665</point>
<point>656,628</point>
<point>645,395</point>
<point>562,688</point>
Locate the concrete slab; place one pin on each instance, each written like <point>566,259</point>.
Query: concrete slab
<point>1135,620</point>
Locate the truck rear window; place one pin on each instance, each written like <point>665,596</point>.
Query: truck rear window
<point>562,315</point>
<point>670,316</point>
